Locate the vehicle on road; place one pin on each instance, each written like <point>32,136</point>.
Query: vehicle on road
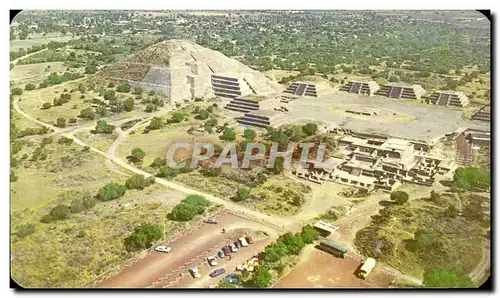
<point>163,248</point>
<point>243,241</point>
<point>210,221</point>
<point>221,254</point>
<point>212,261</point>
<point>233,248</point>
<point>366,268</point>
<point>195,273</point>
<point>231,279</point>
<point>217,272</point>
<point>237,244</point>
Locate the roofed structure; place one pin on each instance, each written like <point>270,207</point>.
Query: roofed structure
<point>448,98</point>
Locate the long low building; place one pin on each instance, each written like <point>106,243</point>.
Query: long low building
<point>401,91</point>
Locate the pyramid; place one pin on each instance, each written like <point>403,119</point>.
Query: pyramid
<point>182,71</point>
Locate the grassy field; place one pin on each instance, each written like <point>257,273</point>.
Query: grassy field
<point>37,40</point>
<point>69,253</point>
<point>99,141</point>
<point>30,71</point>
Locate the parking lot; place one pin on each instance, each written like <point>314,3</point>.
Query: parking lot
<point>320,269</point>
<point>171,269</point>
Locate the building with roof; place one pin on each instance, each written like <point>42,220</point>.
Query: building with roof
<point>359,87</point>
<point>401,91</point>
<point>448,98</point>
<point>373,163</point>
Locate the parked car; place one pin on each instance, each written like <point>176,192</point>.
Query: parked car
<point>226,250</point>
<point>243,241</point>
<point>221,254</point>
<point>249,239</point>
<point>241,267</point>
<point>233,248</point>
<point>195,273</point>
<point>210,221</point>
<point>163,248</point>
<point>237,244</point>
<point>232,279</point>
<point>217,272</point>
<point>212,261</point>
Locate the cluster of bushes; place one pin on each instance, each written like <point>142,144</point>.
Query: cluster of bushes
<point>139,182</point>
<point>88,113</point>
<point>55,79</point>
<point>169,173</point>
<point>63,98</point>
<point>62,212</point>
<point>286,244</point>
<point>136,155</point>
<point>154,124</point>
<point>102,127</point>
<point>191,206</point>
<point>471,179</point>
<point>16,91</point>
<point>399,197</point>
<point>65,141</point>
<point>228,134</point>
<point>143,237</point>
<point>124,88</point>
<point>111,191</point>
<point>31,131</point>
<point>292,133</point>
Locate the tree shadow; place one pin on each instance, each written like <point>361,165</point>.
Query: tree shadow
<point>385,203</point>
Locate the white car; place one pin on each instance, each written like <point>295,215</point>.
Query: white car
<point>212,261</point>
<point>195,273</point>
<point>243,241</point>
<point>163,248</point>
<point>233,248</point>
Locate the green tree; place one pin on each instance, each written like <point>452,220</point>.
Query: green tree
<point>310,129</point>
<point>60,212</point>
<point>129,104</point>
<point>262,277</point>
<point>16,91</point>
<point>46,106</point>
<point>109,95</point>
<point>137,182</point>
<point>309,234</point>
<point>136,155</point>
<point>61,122</point>
<point>111,191</point>
<point>29,87</point>
<point>125,88</point>
<point>446,278</point>
<point>102,127</point>
<point>293,242</point>
<point>471,178</point>
<point>275,251</point>
<point>143,237</point>
<point>399,197</point>
<point>158,162</point>
<point>224,284</point>
<point>203,114</point>
<point>228,135</point>
<point>241,194</point>
<point>184,212</point>
<point>177,118</point>
<point>249,134</point>
<point>87,113</point>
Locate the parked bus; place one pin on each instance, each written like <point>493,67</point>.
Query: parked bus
<point>367,267</point>
<point>333,248</point>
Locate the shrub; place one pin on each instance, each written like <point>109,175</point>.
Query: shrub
<point>111,191</point>
<point>228,135</point>
<point>111,85</point>
<point>309,234</point>
<point>191,206</point>
<point>129,105</point>
<point>241,194</point>
<point>158,162</point>
<point>136,155</point>
<point>87,113</point>
<point>60,212</point>
<point>61,122</point>
<point>25,230</point>
<point>249,134</point>
<point>81,234</point>
<point>102,127</point>
<point>471,178</point>
<point>203,115</point>
<point>137,182</point>
<point>65,141</point>
<point>143,237</point>
<point>262,277</point>
<point>446,278</point>
<point>399,197</point>
<point>125,87</point>
<point>310,129</point>
<point>176,118</point>
<point>82,204</point>
<point>29,87</point>
<point>16,91</point>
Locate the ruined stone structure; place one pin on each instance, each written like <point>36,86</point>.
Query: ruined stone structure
<point>242,104</point>
<point>301,89</point>
<point>379,163</point>
<point>259,118</point>
<point>484,114</point>
<point>401,91</point>
<point>183,71</point>
<point>448,98</point>
<point>364,88</point>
